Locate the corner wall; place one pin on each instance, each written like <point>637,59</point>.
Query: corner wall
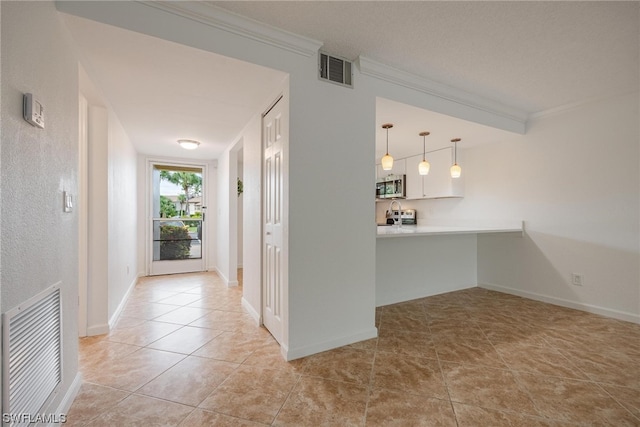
<point>39,242</point>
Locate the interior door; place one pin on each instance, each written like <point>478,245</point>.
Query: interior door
<point>177,219</point>
<point>274,136</point>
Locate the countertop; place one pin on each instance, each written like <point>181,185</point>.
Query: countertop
<point>430,230</point>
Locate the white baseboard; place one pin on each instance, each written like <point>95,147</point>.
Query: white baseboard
<point>228,283</point>
<point>123,302</point>
<point>603,311</point>
<point>252,312</point>
<point>422,293</point>
<point>98,329</point>
<point>297,353</point>
<point>69,397</point>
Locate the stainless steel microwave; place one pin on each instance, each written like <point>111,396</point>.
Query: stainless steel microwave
<point>391,187</point>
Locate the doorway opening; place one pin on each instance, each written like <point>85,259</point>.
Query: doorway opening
<point>178,218</point>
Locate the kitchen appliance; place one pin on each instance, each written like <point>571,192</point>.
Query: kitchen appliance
<point>391,187</point>
<point>408,216</point>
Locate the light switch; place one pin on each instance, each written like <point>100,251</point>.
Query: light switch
<point>67,202</point>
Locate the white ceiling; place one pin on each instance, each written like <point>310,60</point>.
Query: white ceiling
<point>533,56</point>
<point>163,91</point>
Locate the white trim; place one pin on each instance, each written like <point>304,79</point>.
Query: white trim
<point>116,315</point>
<point>296,353</point>
<point>423,293</point>
<point>384,72</point>
<point>230,22</point>
<point>101,329</point>
<point>616,314</point>
<point>573,106</point>
<point>252,312</point>
<point>83,214</point>
<point>150,161</point>
<point>228,283</point>
<point>69,397</point>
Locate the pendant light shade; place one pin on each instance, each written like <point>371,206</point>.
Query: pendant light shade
<point>456,170</point>
<point>387,160</point>
<point>423,166</point>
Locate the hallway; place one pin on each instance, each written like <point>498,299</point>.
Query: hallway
<point>185,353</point>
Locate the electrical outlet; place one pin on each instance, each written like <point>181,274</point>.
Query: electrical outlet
<point>576,279</point>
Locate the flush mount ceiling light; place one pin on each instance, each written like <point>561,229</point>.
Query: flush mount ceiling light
<point>456,170</point>
<point>387,160</point>
<point>188,144</point>
<point>423,166</point>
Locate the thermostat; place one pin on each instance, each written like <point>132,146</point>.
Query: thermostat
<point>33,111</point>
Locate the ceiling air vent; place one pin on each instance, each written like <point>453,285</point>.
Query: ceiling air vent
<point>335,70</point>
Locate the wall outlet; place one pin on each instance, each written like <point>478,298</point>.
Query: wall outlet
<point>576,279</point>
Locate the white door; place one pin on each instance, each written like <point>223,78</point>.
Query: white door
<point>274,140</point>
<point>177,218</point>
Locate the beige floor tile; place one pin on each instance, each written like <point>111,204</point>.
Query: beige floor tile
<point>132,371</point>
<point>474,416</point>
<point>143,334</point>
<point>179,299</point>
<point>538,360</point>
<point>404,323</point>
<point>409,343</point>
<point>270,356</point>
<point>468,351</point>
<point>392,408</point>
<point>92,400</point>
<point>233,346</point>
<point>608,367</point>
<point>415,375</point>
<point>575,401</point>
<point>190,381</point>
<point>182,315</point>
<point>101,354</point>
<point>487,387</point>
<point>320,402</point>
<point>202,418</point>
<point>185,340</point>
<point>341,364</point>
<point>142,411</point>
<point>230,321</point>
<point>146,310</point>
<point>627,397</point>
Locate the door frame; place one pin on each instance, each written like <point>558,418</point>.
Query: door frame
<point>150,163</point>
<point>83,214</point>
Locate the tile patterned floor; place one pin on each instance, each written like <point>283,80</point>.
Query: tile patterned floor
<point>184,353</point>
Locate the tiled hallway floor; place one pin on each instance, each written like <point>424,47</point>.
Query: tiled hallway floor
<point>185,353</point>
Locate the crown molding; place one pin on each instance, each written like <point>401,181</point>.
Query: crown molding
<point>384,72</point>
<point>224,20</point>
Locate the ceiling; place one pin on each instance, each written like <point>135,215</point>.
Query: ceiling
<point>534,56</point>
<point>163,91</point>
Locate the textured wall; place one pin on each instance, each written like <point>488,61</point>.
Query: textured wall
<point>39,242</point>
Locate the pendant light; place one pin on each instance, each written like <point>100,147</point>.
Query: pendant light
<point>387,160</point>
<point>423,166</point>
<point>456,170</point>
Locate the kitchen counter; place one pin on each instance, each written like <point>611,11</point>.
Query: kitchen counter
<point>429,230</point>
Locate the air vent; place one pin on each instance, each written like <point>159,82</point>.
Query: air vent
<point>335,70</point>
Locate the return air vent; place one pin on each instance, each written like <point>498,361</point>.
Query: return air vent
<point>335,70</point>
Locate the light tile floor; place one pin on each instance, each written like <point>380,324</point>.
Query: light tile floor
<point>185,353</point>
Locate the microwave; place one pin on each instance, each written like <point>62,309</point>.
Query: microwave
<point>391,187</point>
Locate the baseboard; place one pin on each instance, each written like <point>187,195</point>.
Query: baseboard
<point>423,293</point>
<point>228,283</point>
<point>98,329</point>
<point>252,312</point>
<point>615,314</point>
<point>123,302</point>
<point>67,400</point>
<point>297,353</point>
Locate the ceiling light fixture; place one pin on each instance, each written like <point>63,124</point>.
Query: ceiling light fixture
<point>188,144</point>
<point>387,160</point>
<point>456,170</point>
<point>423,166</point>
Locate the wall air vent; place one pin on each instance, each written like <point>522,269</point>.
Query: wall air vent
<point>335,70</point>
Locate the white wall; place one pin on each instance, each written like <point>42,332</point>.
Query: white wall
<point>39,243</point>
<point>122,215</point>
<point>573,179</point>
